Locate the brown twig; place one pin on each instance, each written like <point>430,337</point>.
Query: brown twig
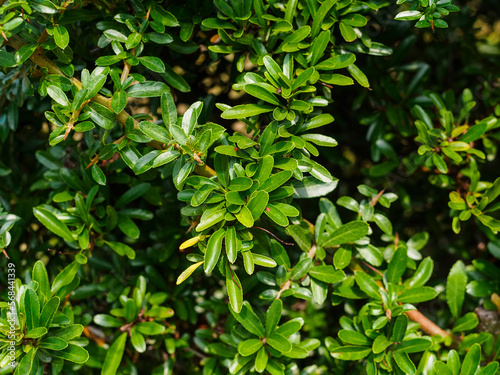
<point>426,324</point>
<point>276,237</point>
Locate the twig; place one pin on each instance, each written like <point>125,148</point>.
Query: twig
<point>276,237</point>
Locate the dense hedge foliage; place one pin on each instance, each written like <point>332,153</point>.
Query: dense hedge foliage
<point>249,186</point>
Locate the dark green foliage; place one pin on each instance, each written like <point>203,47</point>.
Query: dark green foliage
<point>249,186</point>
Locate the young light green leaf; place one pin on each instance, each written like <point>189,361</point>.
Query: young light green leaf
<point>114,355</point>
<point>188,271</point>
<point>65,277</point>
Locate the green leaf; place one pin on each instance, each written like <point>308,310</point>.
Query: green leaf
<point>422,274</point>
<point>164,17</point>
<point>121,249</point>
<point>245,110</point>
<point>26,364</point>
<point>471,360</point>
<point>301,268</point>
<point>466,323</point>
<point>98,175</point>
<point>439,163</point>
<point>347,32</point>
<point>320,15</point>
<point>397,265</point>
<point>65,277</point>
<point>258,204</point>
<point>233,197</point>
<point>261,93</point>
<point>190,118</point>
<point>157,132</point>
<point>68,333</point>
<point>320,140</point>
<point>147,89</point>
<point>347,233</point>
<point>101,115</point>
<point>234,290</point>
<point>210,219</point>
<point>404,363</point>
<point>73,353</point>
<point>152,63</point>
<point>262,260</point>
<point>316,122</point>
<point>240,184</point>
<point>32,309</point>
<point>133,40</point>
<point>311,187</point>
<point>138,341</point>
<point>105,320</point>
<point>261,360</point>
<point>53,343</point>
<point>399,329</point>
<point>273,316</point>
<point>7,59</point>
<point>455,288</point>
<point>474,133</point>
<point>231,244</point>
<point>380,344</point>
<point>276,215</point>
<point>279,342</point>
<point>188,271</point>
<point>350,353</point>
<point>213,251</point>
<point>327,274</point>
<point>367,285</point>
<point>271,65</point>
<point>150,328</point>
<point>414,345</point>
<point>42,278</point>
<point>48,311</point>
<point>115,35</point>
<point>248,262</point>
<point>276,180</point>
<point>249,347</point>
<point>245,217</point>
<point>178,134</point>
<point>132,194</point>
<point>119,101</point>
<point>24,53</point>
<point>490,369</point>
<point>61,36</point>
<point>58,95</point>
<point>168,109</point>
<point>354,338</point>
<point>408,15</point>
<point>342,258</point>
<point>418,294</point>
<point>174,79</point>
<point>114,355</point>
<point>96,82</point>
<point>107,60</point>
<point>358,75</point>
<point>249,320</point>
